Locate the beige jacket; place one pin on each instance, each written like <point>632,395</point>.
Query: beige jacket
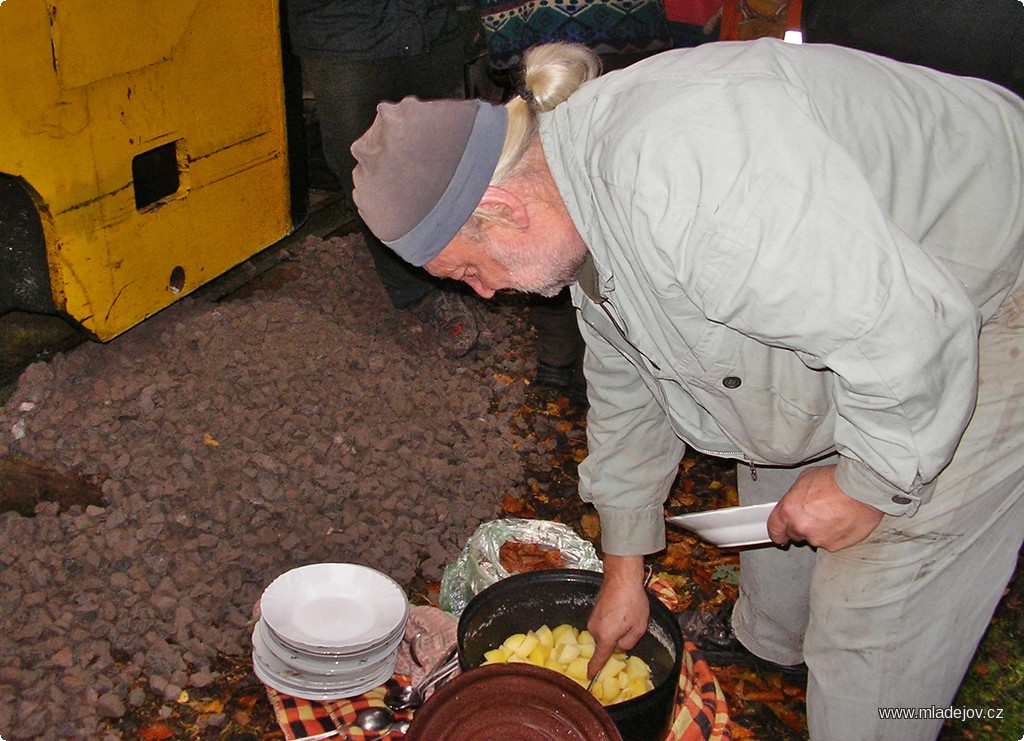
<point>793,248</point>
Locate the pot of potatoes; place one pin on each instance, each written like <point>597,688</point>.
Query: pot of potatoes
<point>540,618</point>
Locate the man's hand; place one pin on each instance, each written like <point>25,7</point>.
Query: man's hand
<point>620,616</point>
<point>817,511</point>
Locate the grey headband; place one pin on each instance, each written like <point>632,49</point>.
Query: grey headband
<point>424,241</point>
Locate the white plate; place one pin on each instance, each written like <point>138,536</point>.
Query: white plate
<point>340,606</point>
<point>337,654</point>
<point>731,527</point>
<point>318,691</point>
<point>288,662</point>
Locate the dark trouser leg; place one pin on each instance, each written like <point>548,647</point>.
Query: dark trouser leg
<point>347,93</point>
<point>559,343</point>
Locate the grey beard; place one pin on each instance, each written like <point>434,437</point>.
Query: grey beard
<point>564,273</point>
<point>555,287</point>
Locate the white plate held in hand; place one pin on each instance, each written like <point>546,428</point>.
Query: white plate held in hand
<point>731,527</point>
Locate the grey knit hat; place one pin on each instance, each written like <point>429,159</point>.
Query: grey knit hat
<point>422,167</point>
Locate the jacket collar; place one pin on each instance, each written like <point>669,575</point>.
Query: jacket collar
<point>590,281</point>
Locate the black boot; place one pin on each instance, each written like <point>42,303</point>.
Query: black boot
<point>712,633</point>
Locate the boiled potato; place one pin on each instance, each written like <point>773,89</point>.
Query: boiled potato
<point>564,629</point>
<point>614,665</point>
<point>497,655</point>
<point>637,668</point>
<point>538,655</point>
<point>530,641</point>
<point>567,650</point>
<point>565,653</point>
<point>513,642</point>
<point>577,669</point>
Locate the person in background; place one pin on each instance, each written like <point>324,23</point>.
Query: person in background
<point>805,258</point>
<point>975,38</point>
<point>559,347</point>
<point>355,54</point>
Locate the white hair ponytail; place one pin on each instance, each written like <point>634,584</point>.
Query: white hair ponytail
<point>551,73</point>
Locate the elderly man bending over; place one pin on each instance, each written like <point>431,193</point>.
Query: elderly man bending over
<point>805,258</point>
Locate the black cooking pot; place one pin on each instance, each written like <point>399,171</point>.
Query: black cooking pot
<point>523,602</point>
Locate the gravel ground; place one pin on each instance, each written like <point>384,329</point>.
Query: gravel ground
<point>233,441</point>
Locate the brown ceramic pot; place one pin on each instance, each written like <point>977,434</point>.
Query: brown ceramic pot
<point>512,702</point>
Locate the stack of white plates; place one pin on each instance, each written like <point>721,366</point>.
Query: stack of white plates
<point>328,631</point>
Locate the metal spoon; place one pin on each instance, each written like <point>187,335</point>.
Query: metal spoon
<point>410,698</point>
<point>414,648</point>
<point>376,720</point>
<point>405,698</point>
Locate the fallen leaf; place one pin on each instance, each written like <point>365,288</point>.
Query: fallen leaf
<point>728,573</point>
<point>766,696</point>
<point>590,524</point>
<point>703,580</point>
<point>788,716</point>
<point>512,505</point>
<point>156,732</point>
<point>741,732</point>
<point>796,691</point>
<point>679,555</point>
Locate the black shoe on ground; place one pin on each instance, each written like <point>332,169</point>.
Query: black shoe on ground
<point>567,379</point>
<point>453,318</point>
<point>714,637</point>
<point>553,376</point>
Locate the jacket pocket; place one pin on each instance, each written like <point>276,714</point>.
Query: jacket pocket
<point>772,406</point>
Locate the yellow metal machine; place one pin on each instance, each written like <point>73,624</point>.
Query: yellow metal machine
<point>145,148</point>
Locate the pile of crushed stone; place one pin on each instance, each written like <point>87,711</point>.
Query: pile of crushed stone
<point>233,441</point>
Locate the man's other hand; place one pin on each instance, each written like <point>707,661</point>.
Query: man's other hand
<point>815,510</point>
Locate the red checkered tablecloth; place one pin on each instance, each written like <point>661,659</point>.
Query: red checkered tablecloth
<point>701,710</point>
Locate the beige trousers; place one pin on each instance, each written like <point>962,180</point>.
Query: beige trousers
<point>894,621</point>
